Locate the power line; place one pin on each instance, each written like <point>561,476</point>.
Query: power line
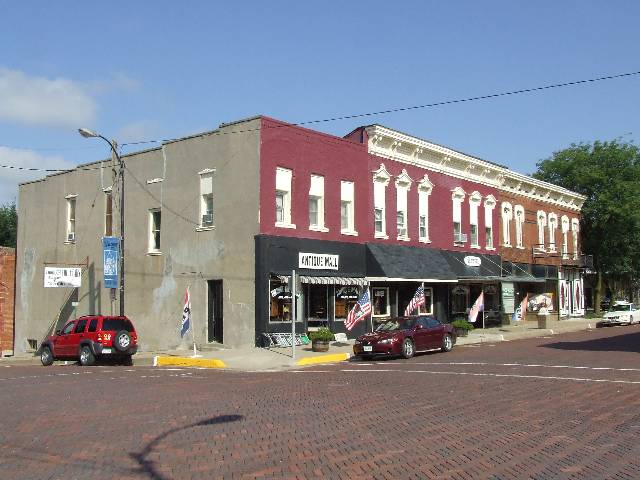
<point>358,115</point>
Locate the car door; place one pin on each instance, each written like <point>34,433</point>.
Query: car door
<point>421,334</point>
<point>76,336</point>
<point>61,342</point>
<point>435,331</point>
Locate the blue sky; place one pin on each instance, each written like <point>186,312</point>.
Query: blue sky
<point>143,70</point>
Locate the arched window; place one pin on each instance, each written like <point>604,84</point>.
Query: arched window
<point>507,216</point>
<point>519,218</point>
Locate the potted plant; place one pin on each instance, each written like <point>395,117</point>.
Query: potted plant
<point>462,326</point>
<point>320,339</point>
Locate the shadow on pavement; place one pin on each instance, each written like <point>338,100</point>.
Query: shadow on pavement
<point>149,468</point>
<point>628,342</point>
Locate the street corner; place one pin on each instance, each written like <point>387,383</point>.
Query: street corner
<point>164,360</point>
<point>319,359</point>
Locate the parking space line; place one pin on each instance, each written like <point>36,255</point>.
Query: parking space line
<point>528,365</point>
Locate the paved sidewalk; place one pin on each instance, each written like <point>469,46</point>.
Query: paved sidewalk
<point>261,359</point>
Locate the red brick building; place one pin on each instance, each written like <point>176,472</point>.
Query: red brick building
<point>7,297</point>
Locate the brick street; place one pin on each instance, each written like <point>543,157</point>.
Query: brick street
<point>566,406</point>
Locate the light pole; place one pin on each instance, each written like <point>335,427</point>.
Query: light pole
<point>112,143</point>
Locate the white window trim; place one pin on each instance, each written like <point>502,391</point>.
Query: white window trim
<point>381,176</point>
<point>425,187</point>
<point>565,227</point>
<point>506,212</point>
<point>575,229</point>
<point>541,221</point>
<point>287,199</point>
<point>552,224</point>
<point>319,196</point>
<point>475,199</point>
<point>68,230</point>
<point>457,198</point>
<point>208,172</point>
<point>489,205</point>
<point>351,228</point>
<point>519,226</point>
<point>403,186</point>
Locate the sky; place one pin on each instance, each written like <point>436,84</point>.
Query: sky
<point>150,70</point>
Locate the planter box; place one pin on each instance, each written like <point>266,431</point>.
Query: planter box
<point>319,345</point>
<point>462,332</point>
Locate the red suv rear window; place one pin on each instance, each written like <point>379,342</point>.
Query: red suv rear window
<point>116,324</point>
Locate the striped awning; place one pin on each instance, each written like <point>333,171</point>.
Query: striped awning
<point>358,281</point>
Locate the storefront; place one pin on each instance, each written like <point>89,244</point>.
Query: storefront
<point>571,293</point>
<point>537,283</point>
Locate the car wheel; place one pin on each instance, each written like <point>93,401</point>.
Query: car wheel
<point>86,356</point>
<point>447,343</point>
<point>46,356</point>
<point>407,348</point>
<point>122,342</point>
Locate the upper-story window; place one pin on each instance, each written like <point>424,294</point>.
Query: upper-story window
<point>155,217</point>
<point>71,218</point>
<point>425,187</point>
<point>283,198</point>
<point>518,210</point>
<point>316,204</point>
<point>108,212</point>
<point>347,208</point>
<point>206,198</point>
<point>381,178</point>
<point>489,206</point>
<point>552,219</point>
<point>403,185</point>
<point>457,197</point>
<point>575,228</point>
<point>541,220</point>
<point>507,216</point>
<point>475,199</point>
<point>564,224</point>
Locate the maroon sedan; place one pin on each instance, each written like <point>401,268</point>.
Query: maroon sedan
<point>405,336</point>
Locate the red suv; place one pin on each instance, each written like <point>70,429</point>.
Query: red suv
<point>91,337</point>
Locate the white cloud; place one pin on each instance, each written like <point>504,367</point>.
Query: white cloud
<point>32,100</point>
<point>138,131</point>
<point>10,178</point>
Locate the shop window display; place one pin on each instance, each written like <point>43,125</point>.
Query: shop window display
<point>381,304</point>
<point>346,298</point>
<point>280,309</point>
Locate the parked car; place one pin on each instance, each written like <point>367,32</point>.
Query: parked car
<point>622,313</point>
<point>90,338</point>
<point>405,336</point>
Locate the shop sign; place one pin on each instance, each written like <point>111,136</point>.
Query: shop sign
<point>508,294</point>
<point>472,261</point>
<point>347,293</point>
<point>62,277</point>
<point>318,261</point>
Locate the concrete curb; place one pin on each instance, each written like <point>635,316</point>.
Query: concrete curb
<point>188,362</point>
<point>331,358</point>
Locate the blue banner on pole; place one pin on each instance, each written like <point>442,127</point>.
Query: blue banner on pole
<point>111,257</point>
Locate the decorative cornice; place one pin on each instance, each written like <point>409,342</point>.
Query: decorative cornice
<point>397,146</point>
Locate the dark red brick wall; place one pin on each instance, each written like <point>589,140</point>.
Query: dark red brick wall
<point>7,297</point>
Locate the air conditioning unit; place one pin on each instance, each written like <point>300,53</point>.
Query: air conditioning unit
<point>460,238</point>
<point>71,237</point>
<point>207,219</point>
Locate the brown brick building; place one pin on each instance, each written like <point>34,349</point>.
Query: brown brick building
<point>7,298</point>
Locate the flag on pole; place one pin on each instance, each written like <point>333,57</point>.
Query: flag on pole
<point>521,311</point>
<point>416,301</point>
<point>360,310</point>
<point>186,314</point>
<point>477,308</point>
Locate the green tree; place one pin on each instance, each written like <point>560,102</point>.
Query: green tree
<point>608,174</point>
<point>8,225</point>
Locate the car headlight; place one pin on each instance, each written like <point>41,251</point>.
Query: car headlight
<point>387,340</point>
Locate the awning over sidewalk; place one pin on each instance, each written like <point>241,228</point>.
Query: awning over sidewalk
<point>474,266</point>
<point>400,263</point>
<point>357,281</point>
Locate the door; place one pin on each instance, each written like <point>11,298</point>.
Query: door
<point>435,329</point>
<point>61,346</point>
<point>421,334</point>
<point>75,337</point>
<point>214,311</point>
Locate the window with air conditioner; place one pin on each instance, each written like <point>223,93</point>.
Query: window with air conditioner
<point>316,204</point>
<point>206,199</point>
<point>283,198</point>
<point>71,219</point>
<point>457,197</point>
<point>475,199</point>
<point>347,209</point>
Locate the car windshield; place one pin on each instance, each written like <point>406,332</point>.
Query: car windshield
<point>621,308</point>
<point>397,324</point>
<point>116,324</point>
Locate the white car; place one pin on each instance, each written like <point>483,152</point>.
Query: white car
<point>621,313</point>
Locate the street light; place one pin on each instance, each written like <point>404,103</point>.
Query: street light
<point>112,143</point>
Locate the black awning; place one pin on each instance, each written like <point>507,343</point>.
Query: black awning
<point>395,262</point>
<point>470,266</point>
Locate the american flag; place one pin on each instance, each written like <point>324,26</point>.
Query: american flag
<point>360,310</point>
<point>477,308</point>
<point>186,314</point>
<point>521,311</point>
<point>416,301</point>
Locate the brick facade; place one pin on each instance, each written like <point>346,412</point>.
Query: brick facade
<point>7,297</point>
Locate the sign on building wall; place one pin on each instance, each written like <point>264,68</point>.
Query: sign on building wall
<point>110,258</point>
<point>62,277</point>
<point>318,261</point>
<point>508,293</point>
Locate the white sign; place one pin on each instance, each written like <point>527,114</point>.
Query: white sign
<point>318,261</point>
<point>62,277</point>
<point>472,261</point>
